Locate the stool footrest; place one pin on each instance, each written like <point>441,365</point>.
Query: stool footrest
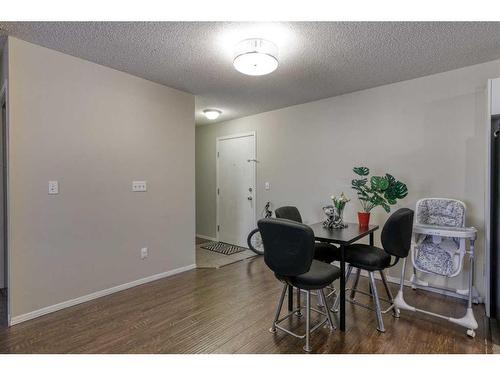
<point>354,302</point>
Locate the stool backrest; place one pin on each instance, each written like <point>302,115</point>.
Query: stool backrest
<point>396,234</point>
<point>289,246</point>
<point>288,212</point>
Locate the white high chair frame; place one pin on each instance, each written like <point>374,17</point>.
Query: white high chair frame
<point>462,233</point>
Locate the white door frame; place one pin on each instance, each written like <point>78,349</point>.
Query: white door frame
<point>4,97</point>
<point>254,175</point>
<point>487,213</point>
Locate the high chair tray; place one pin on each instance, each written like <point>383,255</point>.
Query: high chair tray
<point>436,230</point>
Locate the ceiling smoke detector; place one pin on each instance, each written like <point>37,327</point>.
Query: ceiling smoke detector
<point>255,57</point>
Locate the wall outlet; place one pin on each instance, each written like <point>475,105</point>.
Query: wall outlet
<point>139,186</point>
<point>144,253</point>
<point>53,187</point>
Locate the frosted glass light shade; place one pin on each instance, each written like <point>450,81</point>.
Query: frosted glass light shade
<point>255,57</point>
<point>212,114</point>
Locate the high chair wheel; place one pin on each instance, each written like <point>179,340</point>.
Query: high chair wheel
<point>471,333</point>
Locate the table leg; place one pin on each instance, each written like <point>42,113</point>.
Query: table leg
<point>371,244</point>
<point>342,288</point>
<point>290,298</point>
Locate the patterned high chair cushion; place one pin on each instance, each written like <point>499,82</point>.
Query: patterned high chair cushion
<point>435,254</point>
<point>436,257</point>
<point>442,212</point>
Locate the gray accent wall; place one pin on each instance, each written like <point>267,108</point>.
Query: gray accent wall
<point>429,132</point>
<point>95,130</point>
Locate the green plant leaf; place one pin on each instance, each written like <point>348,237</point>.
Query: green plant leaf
<point>359,183</point>
<point>398,190</point>
<point>378,199</point>
<point>390,200</point>
<point>390,178</point>
<point>379,183</point>
<point>379,191</point>
<point>401,189</point>
<point>386,207</point>
<point>361,171</point>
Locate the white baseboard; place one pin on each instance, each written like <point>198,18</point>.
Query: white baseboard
<point>206,237</point>
<point>101,293</point>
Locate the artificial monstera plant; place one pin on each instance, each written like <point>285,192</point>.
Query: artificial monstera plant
<point>377,190</point>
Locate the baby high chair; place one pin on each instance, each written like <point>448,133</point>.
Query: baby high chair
<point>439,249</point>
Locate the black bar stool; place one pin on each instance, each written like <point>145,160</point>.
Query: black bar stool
<point>289,254</point>
<point>396,242</point>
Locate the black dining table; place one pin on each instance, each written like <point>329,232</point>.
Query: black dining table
<point>342,237</point>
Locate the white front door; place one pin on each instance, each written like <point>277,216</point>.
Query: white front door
<point>236,188</point>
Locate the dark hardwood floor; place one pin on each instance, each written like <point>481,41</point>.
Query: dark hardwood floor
<point>229,310</point>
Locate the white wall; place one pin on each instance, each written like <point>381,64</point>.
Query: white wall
<point>3,80</point>
<point>94,129</point>
<point>495,97</point>
<point>428,132</point>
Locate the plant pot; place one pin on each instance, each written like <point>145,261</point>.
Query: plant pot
<point>363,219</point>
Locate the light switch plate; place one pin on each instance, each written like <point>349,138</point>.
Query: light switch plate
<point>53,187</point>
<point>144,253</point>
<point>139,186</point>
<point>267,186</point>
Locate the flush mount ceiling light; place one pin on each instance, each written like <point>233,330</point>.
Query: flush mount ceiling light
<point>255,57</point>
<point>212,114</point>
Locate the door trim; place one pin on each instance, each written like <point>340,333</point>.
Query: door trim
<point>254,174</point>
<point>487,206</point>
<point>4,98</point>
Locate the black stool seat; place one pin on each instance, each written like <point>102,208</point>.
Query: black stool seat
<point>319,276</point>
<point>370,258</point>
<point>325,252</point>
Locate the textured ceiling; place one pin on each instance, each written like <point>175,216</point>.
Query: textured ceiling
<point>317,59</point>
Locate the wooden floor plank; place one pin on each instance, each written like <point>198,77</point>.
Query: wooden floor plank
<point>229,310</point>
